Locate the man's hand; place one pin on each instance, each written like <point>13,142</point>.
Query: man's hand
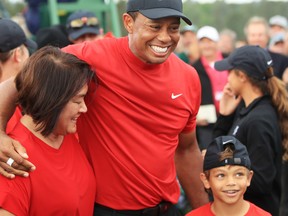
<point>10,148</point>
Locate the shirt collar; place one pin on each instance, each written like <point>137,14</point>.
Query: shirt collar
<point>245,110</point>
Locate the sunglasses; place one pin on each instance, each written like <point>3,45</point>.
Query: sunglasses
<point>89,21</point>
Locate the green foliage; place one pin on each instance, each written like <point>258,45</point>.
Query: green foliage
<point>222,15</point>
<point>218,14</point>
<point>233,16</point>
<point>13,8</point>
<point>122,8</point>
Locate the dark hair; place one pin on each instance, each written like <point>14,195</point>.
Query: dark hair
<point>133,14</point>
<point>46,84</point>
<point>227,153</point>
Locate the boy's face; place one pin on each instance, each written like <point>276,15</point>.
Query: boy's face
<point>228,183</point>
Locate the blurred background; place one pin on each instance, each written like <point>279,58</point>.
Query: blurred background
<point>232,14</point>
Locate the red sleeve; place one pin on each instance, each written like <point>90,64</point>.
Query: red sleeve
<point>15,195</point>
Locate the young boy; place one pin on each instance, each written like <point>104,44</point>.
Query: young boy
<point>227,175</point>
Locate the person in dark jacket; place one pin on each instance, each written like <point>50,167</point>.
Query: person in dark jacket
<point>254,109</point>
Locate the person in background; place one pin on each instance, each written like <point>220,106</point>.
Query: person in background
<point>32,14</point>
<point>212,83</point>
<point>80,26</point>
<point>51,89</point>
<point>55,35</point>
<point>227,41</point>
<point>14,51</point>
<point>254,109</point>
<point>83,26</point>
<point>240,43</point>
<point>189,50</point>
<point>276,43</point>
<point>226,175</point>
<point>285,47</point>
<point>142,114</point>
<point>257,33</point>
<point>284,199</point>
<point>286,44</point>
<point>277,24</point>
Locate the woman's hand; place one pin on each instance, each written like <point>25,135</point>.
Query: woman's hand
<point>229,101</point>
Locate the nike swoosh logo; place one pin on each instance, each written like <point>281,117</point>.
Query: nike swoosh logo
<point>229,141</point>
<point>269,62</point>
<point>175,96</point>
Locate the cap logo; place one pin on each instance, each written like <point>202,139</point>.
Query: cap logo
<point>269,62</point>
<point>234,161</point>
<point>237,160</point>
<point>78,23</point>
<point>235,130</point>
<point>228,141</point>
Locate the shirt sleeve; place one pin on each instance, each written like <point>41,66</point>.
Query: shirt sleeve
<point>82,51</point>
<point>15,195</point>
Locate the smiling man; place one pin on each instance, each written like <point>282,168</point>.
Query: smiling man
<point>140,124</point>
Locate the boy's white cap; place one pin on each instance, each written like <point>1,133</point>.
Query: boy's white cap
<point>208,32</point>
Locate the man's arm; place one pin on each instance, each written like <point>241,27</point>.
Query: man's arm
<point>7,102</point>
<point>10,148</point>
<point>3,212</point>
<point>189,165</point>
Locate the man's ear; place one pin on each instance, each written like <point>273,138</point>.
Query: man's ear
<point>128,22</point>
<point>205,181</point>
